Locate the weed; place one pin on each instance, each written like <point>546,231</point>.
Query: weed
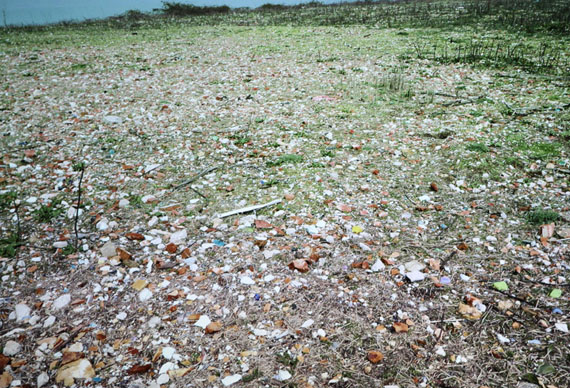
<point>544,150</point>
<point>9,245</point>
<point>7,199</point>
<point>283,159</point>
<point>46,213</point>
<point>328,153</point>
<point>287,360</point>
<point>541,216</point>
<point>255,374</point>
<point>477,147</point>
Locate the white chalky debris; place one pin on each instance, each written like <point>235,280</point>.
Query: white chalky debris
<point>229,380</point>
<point>283,375</point>
<point>203,321</point>
<point>145,294</point>
<point>61,302</point>
<point>11,348</point>
<point>22,312</point>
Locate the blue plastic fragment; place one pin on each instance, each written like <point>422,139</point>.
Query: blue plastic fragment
<point>97,379</point>
<point>556,311</point>
<point>219,243</point>
<point>257,297</point>
<point>443,226</point>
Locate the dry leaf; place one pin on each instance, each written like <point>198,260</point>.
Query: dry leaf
<point>343,208</point>
<point>214,327</point>
<point>5,380</point>
<point>462,246</point>
<point>136,369</point>
<point>262,224</point>
<point>70,357</point>
<point>300,265</point>
<point>400,327</point>
<point>434,264</point>
<point>171,248</point>
<point>134,236</point>
<point>433,187</point>
<point>469,312</point>
<point>375,356</point>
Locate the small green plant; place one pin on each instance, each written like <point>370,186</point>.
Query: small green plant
<point>46,213</point>
<point>287,360</point>
<point>477,147</point>
<point>7,199</point>
<point>283,159</point>
<point>241,140</point>
<point>68,250</point>
<point>541,216</point>
<point>544,150</point>
<point>255,374</point>
<point>328,153</point>
<point>79,166</point>
<point>9,245</point>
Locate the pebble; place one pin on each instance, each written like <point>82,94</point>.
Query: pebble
<point>145,295</point>
<point>440,352</point>
<point>247,281</point>
<point>123,203</point>
<point>308,323</point>
<point>80,369</point>
<point>283,375</point>
<point>378,266</point>
<point>229,380</point>
<point>121,316</point>
<point>414,266</point>
<point>49,321</point>
<point>166,367</point>
<point>163,379</point>
<point>22,312</point>
<point>111,119</point>
<point>203,321</point>
<point>60,244</point>
<point>168,352</point>
<point>416,276</point>
<point>109,249</point>
<point>42,379</point>
<point>178,237</point>
<point>61,302</point>
<point>11,348</point>
<point>560,326</point>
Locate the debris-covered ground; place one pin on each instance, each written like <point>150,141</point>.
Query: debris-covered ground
<point>415,228</point>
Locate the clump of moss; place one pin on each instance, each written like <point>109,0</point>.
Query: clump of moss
<point>283,159</point>
<point>541,216</point>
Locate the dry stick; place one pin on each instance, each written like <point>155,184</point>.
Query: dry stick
<point>195,178</point>
<point>77,208</point>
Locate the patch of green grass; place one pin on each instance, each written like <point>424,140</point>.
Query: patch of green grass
<point>328,153</point>
<point>255,374</point>
<point>46,213</point>
<point>9,245</point>
<point>283,159</point>
<point>544,150</point>
<point>241,140</point>
<point>7,199</point>
<point>541,216</point>
<point>477,147</point>
<point>287,360</point>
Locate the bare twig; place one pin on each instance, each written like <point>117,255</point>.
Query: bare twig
<point>81,166</point>
<point>248,209</point>
<point>195,178</point>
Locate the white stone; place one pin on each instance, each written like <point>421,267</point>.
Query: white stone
<point>166,367</point>
<point>178,237</point>
<point>111,119</point>
<point>11,348</point>
<point>61,302</point>
<point>561,326</point>
<point>121,316</point>
<point>163,379</point>
<point>308,323</point>
<point>22,312</point>
<point>440,352</point>
<point>49,321</point>
<point>76,347</point>
<point>103,224</point>
<point>124,203</point>
<point>145,295</point>
<point>246,280</point>
<point>283,375</point>
<point>378,266</point>
<point>415,276</point>
<point>229,380</point>
<point>168,352</point>
<point>60,244</point>
<point>109,249</point>
<point>203,321</point>
<point>42,379</point>
<point>502,339</point>
<point>414,265</point>
<point>148,198</point>
<point>154,322</point>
